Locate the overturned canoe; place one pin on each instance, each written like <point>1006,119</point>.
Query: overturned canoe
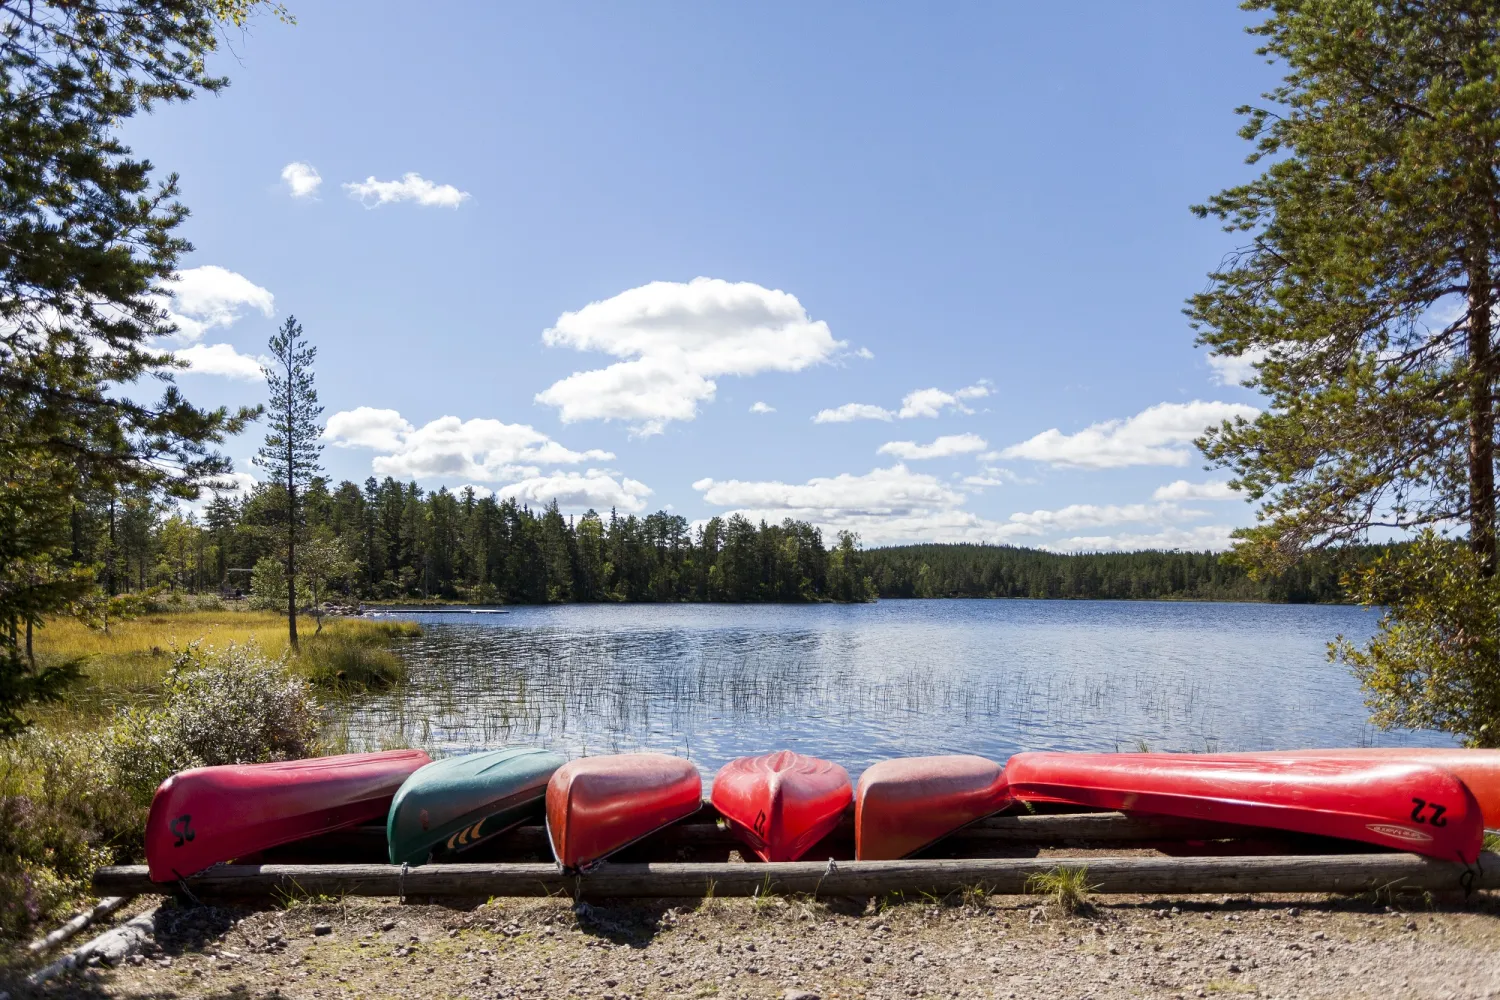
<point>1410,807</point>
<point>780,804</point>
<point>597,805</point>
<point>211,814</point>
<point>1479,769</point>
<point>904,805</point>
<point>452,804</point>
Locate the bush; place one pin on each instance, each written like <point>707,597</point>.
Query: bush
<point>69,804</point>
<point>60,819</point>
<point>235,706</point>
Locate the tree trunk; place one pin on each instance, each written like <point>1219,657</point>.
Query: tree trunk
<point>291,561</point>
<point>1481,417</point>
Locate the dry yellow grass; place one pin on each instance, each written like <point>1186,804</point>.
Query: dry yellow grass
<point>126,664</point>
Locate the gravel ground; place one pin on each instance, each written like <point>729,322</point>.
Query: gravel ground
<point>1005,947</point>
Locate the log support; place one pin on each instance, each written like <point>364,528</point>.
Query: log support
<point>1007,876</point>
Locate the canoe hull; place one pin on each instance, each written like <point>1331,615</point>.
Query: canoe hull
<point>782,803</point>
<point>452,804</point>
<point>207,815</point>
<point>598,805</point>
<point>1479,769</point>
<point>1409,807</point>
<point>907,804</point>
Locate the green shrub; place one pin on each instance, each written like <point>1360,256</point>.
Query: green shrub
<point>60,819</point>
<point>233,706</point>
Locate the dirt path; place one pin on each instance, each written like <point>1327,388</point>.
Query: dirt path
<point>999,947</point>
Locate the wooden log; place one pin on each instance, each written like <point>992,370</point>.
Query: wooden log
<point>1324,873</point>
<point>98,911</point>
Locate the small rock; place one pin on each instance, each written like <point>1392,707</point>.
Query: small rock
<point>453,933</point>
<point>1320,936</point>
<point>387,925</point>
<point>1411,925</point>
<point>795,994</point>
<point>320,929</point>
<point>1295,911</point>
<point>1235,968</point>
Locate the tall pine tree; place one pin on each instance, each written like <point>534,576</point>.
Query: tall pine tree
<point>292,450</point>
<point>1364,296</point>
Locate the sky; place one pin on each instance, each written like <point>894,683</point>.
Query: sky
<point>912,272</point>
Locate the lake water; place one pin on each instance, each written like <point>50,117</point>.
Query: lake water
<point>860,683</point>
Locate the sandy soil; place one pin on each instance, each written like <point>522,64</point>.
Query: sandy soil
<point>1005,947</point>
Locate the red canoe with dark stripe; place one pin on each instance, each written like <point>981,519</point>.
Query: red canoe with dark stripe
<point>781,804</point>
<point>904,805</point>
<point>1396,804</point>
<point>212,814</point>
<point>598,805</point>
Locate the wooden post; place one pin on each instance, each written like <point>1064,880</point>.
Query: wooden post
<point>1007,876</point>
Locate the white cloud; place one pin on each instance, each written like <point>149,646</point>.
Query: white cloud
<point>222,359</point>
<point>932,402</point>
<point>1159,435</point>
<point>679,338</point>
<point>577,491</point>
<point>1215,489</point>
<point>895,505</point>
<point>881,491</point>
<point>233,484</point>
<point>759,407</point>
<point>411,187</point>
<point>302,179</point>
<point>480,449</point>
<point>367,427</point>
<point>1237,368</point>
<point>864,352</point>
<point>1209,537</point>
<point>202,298</point>
<point>1077,516</point>
<point>852,411</point>
<point>944,447</point>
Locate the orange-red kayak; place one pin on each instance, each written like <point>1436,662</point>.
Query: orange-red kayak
<point>1479,769</point>
<point>597,805</point>
<point>904,805</point>
<point>211,814</point>
<point>780,804</point>
<point>1411,807</point>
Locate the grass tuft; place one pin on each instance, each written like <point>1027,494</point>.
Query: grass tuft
<point>1066,888</point>
<point>1492,841</point>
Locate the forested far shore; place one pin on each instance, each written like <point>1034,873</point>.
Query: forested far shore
<point>1007,571</point>
<point>385,541</point>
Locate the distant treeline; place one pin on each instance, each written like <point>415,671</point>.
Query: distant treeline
<point>1003,571</point>
<point>392,541</point>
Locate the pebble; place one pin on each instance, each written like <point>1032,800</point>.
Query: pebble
<point>800,995</point>
<point>387,925</point>
<point>321,929</point>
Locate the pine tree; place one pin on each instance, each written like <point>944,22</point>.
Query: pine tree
<point>1366,290</point>
<point>292,450</point>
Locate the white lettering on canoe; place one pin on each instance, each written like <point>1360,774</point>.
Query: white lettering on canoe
<point>1395,832</point>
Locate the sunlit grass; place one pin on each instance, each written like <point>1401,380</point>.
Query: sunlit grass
<point>1066,888</point>
<point>126,664</point>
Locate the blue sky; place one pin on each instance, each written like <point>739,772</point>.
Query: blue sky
<point>972,223</point>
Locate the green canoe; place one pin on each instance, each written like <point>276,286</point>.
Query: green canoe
<point>454,803</point>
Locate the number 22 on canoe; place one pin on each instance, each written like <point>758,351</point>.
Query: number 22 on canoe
<point>207,815</point>
<point>1410,807</point>
<point>598,805</point>
<point>781,804</point>
<point>1479,769</point>
<point>906,804</point>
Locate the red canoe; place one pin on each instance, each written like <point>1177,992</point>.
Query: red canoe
<point>212,814</point>
<point>1412,807</point>
<point>597,805</point>
<point>782,803</point>
<point>1479,769</point>
<point>904,805</point>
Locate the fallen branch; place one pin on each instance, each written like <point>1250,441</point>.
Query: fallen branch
<point>101,909</point>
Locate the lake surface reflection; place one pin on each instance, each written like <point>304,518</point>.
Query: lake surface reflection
<point>857,684</point>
